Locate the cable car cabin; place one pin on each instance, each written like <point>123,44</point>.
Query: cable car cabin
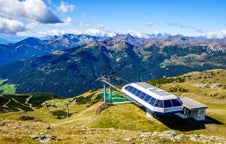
<point>152,98</point>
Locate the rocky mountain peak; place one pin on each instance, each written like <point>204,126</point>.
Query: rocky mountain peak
<point>115,45</point>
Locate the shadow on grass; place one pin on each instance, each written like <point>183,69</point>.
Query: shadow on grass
<point>210,120</point>
<point>177,123</point>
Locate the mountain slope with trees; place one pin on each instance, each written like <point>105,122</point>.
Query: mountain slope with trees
<point>76,70</point>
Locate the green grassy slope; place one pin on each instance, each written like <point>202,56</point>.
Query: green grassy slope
<point>6,88</point>
<point>207,87</point>
<point>23,102</point>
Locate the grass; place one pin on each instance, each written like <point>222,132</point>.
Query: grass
<point>7,88</point>
<point>69,134</point>
<point>130,118</point>
<point>24,102</point>
<point>2,81</point>
<point>209,88</point>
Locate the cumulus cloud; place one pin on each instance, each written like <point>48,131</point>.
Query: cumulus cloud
<point>32,25</point>
<point>29,9</point>
<point>15,13</point>
<point>65,7</point>
<point>8,26</point>
<point>217,34</point>
<point>67,21</point>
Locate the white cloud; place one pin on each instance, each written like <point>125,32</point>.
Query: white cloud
<point>149,24</point>
<point>138,34</point>
<point>8,26</point>
<point>97,32</point>
<point>54,32</point>
<point>217,34</point>
<point>50,33</point>
<point>32,25</point>
<point>30,9</point>
<point>93,32</point>
<point>175,24</point>
<point>65,7</point>
<point>85,15</point>
<point>67,21</point>
<point>27,11</point>
<point>81,24</point>
<point>101,26</point>
<point>199,30</point>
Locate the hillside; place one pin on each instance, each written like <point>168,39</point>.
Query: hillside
<point>210,85</point>
<point>24,102</point>
<point>34,47</point>
<point>74,71</point>
<point>124,123</point>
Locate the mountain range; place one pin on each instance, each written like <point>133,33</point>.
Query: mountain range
<point>70,64</point>
<point>4,41</point>
<point>34,47</point>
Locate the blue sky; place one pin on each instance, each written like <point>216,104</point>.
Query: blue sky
<point>40,18</point>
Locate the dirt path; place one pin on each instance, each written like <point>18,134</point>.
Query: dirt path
<point>27,100</point>
<point>5,105</point>
<point>94,107</point>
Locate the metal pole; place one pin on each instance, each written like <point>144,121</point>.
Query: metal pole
<point>67,109</point>
<point>110,94</point>
<point>104,93</point>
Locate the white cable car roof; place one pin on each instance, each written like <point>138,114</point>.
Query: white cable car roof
<point>153,91</point>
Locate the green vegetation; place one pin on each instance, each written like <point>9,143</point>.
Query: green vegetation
<point>11,103</point>
<point>177,89</point>
<point>207,87</point>
<point>59,114</point>
<point>6,88</point>
<point>128,117</point>
<point>24,102</point>
<point>15,106</point>
<point>75,71</point>
<point>158,82</point>
<point>3,101</point>
<point>38,98</point>
<point>26,117</point>
<point>90,99</point>
<point>22,98</point>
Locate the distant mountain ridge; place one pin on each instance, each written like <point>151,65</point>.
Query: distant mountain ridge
<point>4,41</point>
<point>72,71</point>
<point>34,47</point>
